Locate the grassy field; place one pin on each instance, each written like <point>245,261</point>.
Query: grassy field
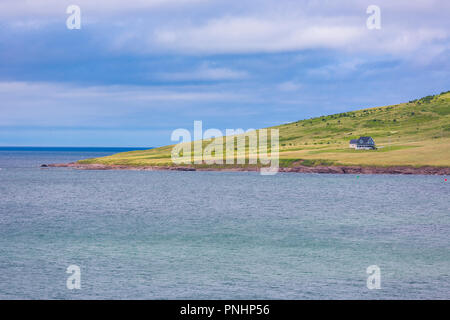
<point>416,133</point>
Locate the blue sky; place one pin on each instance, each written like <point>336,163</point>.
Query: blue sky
<point>137,70</point>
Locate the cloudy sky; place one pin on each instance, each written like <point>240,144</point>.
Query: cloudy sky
<point>138,69</point>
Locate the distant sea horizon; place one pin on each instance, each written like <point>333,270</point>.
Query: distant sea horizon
<point>34,156</point>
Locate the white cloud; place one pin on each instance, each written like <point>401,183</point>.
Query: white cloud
<point>210,27</point>
<point>205,72</point>
<point>340,69</point>
<point>25,103</point>
<point>249,34</point>
<point>293,33</point>
<point>56,8</point>
<point>289,86</point>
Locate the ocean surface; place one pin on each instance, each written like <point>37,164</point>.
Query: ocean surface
<point>217,235</point>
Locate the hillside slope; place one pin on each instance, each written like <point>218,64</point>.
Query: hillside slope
<point>416,133</point>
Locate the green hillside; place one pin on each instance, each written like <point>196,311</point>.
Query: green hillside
<point>416,133</point>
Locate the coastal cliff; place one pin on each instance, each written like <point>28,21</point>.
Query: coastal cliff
<point>298,169</point>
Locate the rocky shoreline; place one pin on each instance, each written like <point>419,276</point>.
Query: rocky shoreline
<point>299,169</point>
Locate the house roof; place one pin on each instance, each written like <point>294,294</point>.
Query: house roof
<point>362,140</point>
<point>365,140</point>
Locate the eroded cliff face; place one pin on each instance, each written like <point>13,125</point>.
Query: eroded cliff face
<point>299,169</point>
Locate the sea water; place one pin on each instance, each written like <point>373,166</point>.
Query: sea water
<point>217,235</point>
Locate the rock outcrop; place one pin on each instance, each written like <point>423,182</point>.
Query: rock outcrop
<point>299,169</point>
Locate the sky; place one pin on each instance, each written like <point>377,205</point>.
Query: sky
<point>137,70</point>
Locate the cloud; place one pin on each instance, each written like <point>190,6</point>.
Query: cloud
<point>45,104</point>
<point>205,72</point>
<point>338,69</point>
<point>289,86</point>
<point>291,33</point>
<point>56,8</point>
<point>164,63</point>
<point>221,27</point>
<point>251,35</point>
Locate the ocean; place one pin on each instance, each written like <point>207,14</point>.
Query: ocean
<point>217,235</point>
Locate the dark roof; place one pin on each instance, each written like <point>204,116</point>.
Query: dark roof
<point>364,140</point>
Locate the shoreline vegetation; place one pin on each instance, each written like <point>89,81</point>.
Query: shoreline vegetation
<point>411,138</point>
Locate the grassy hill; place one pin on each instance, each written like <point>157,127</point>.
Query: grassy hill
<point>416,133</point>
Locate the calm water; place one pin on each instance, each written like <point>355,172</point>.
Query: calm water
<point>158,235</point>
